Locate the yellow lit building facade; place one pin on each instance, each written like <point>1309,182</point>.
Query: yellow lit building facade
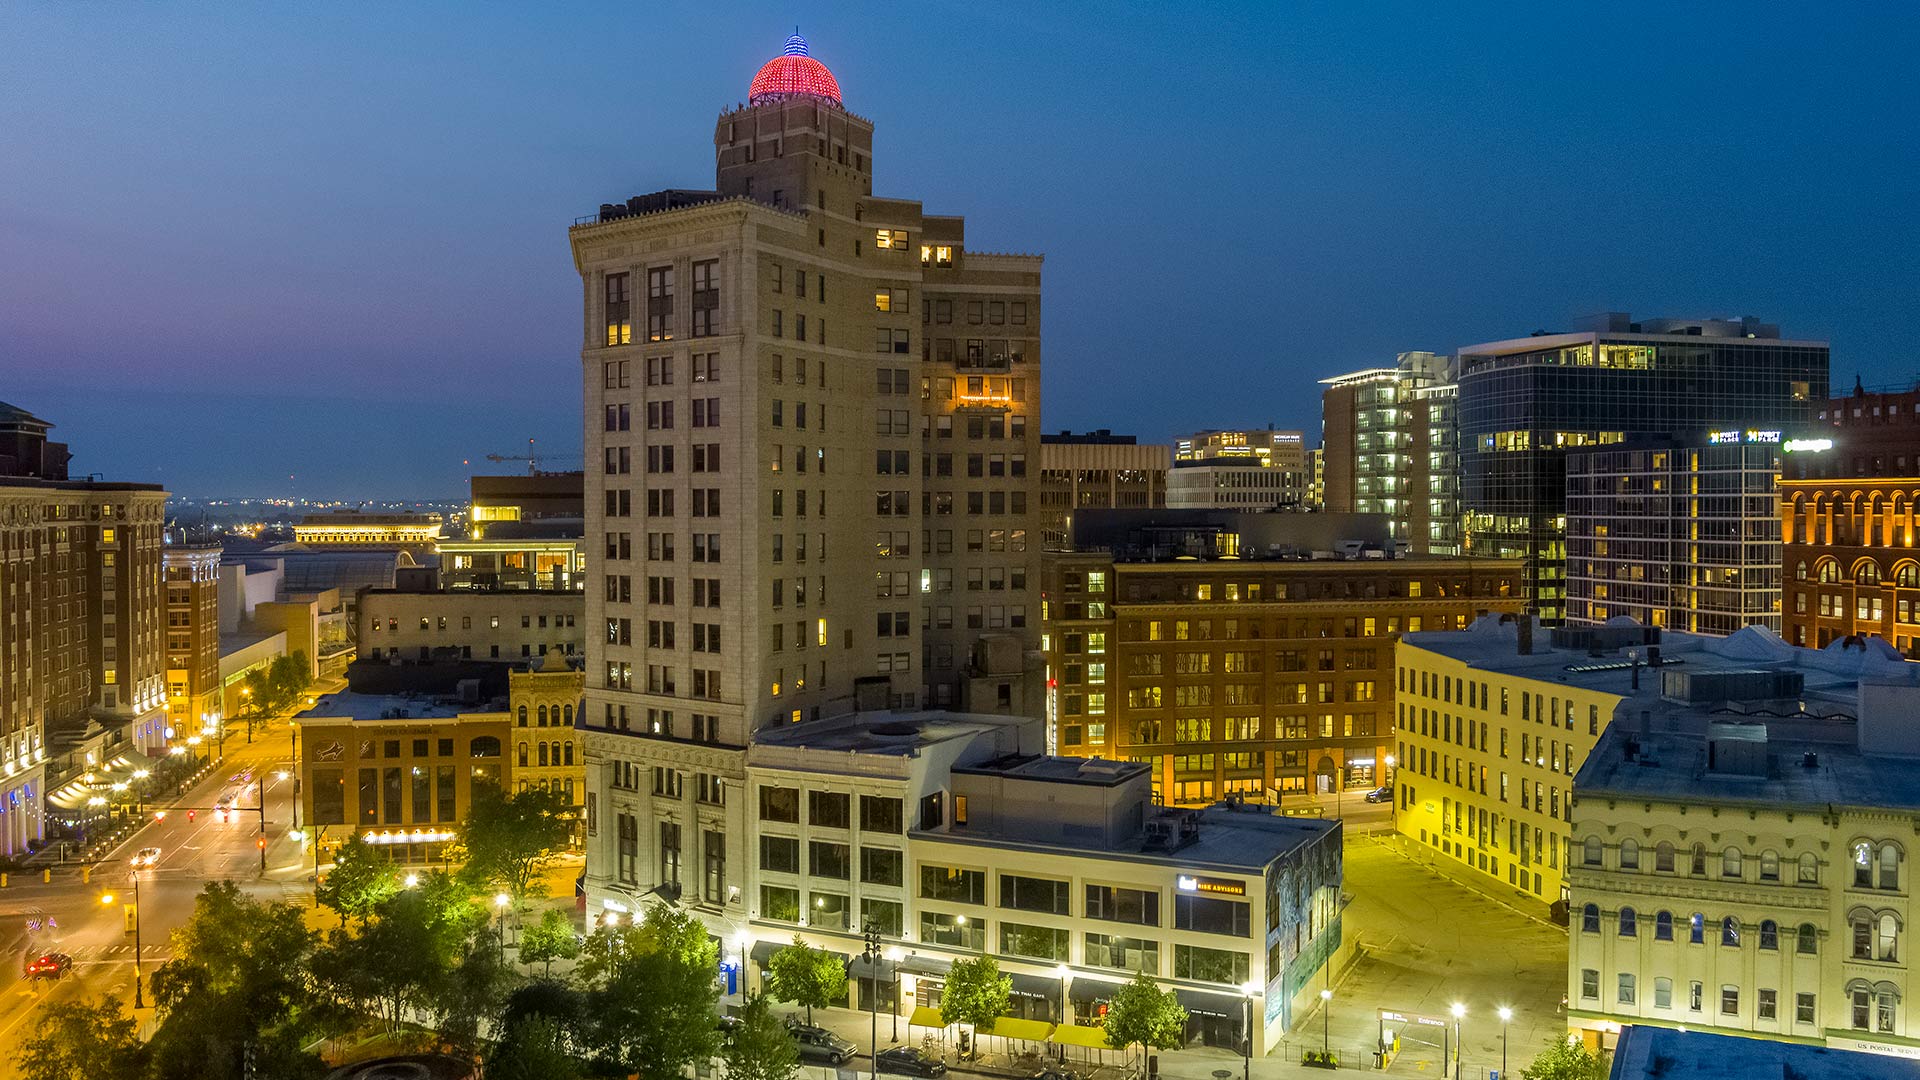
<point>192,582</point>
<point>546,746</point>
<point>1491,729</point>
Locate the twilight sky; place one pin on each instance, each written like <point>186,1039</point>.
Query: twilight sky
<point>281,249</point>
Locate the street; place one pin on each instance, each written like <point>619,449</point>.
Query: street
<point>69,916</point>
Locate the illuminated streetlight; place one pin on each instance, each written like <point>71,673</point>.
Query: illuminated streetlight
<point>1506,1014</point>
<point>411,880</point>
<point>1326,1012</point>
<point>500,902</point>
<point>1459,1013</point>
<point>1247,990</point>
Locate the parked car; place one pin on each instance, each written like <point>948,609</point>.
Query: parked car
<point>819,1044</point>
<point>51,966</point>
<point>146,856</point>
<point>1384,794</point>
<point>908,1061</point>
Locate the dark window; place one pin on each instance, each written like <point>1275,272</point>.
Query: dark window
<point>1033,894</point>
<point>780,804</point>
<point>880,866</point>
<point>829,860</point>
<point>781,853</point>
<point>879,814</point>
<point>1210,915</point>
<point>1138,906</point>
<point>828,809</point>
<point>953,883</point>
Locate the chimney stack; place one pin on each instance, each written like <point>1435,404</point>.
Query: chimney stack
<point>1524,624</point>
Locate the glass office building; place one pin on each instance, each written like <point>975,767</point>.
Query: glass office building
<point>1525,403</point>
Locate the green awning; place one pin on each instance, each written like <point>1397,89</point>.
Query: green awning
<point>926,1016</point>
<point>1012,1027</point>
<point>1078,1035</point>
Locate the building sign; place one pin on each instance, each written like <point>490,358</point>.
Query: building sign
<point>1870,1046</point>
<point>1750,435</point>
<point>1806,446</point>
<point>1213,886</point>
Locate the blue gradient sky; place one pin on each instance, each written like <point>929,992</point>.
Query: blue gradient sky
<point>242,243</point>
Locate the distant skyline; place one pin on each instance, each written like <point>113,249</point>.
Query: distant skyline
<point>275,251</point>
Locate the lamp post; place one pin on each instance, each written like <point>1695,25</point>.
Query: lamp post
<point>293,766</point>
<point>871,935</point>
<point>893,968</point>
<point>1506,1015</point>
<point>1247,990</point>
<point>1459,1013</point>
<point>741,941</point>
<point>1326,1021</point>
<point>500,902</point>
<point>138,1001</point>
<point>140,791</point>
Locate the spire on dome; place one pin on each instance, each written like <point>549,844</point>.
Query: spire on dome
<point>793,73</point>
<point>796,45</point>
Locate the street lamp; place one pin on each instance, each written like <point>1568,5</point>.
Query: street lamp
<point>894,956</point>
<point>741,941</point>
<point>871,935</point>
<point>1506,1014</point>
<point>500,902</point>
<point>1326,1013</point>
<point>410,881</point>
<point>1248,989</point>
<point>1459,1013</point>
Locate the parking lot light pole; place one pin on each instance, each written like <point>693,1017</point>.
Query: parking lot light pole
<point>1326,1021</point>
<point>1247,990</point>
<point>1459,1013</point>
<point>1506,1015</point>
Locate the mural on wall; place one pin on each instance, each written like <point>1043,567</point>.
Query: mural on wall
<point>1303,922</point>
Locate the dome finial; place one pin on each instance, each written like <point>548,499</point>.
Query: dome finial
<point>796,45</point>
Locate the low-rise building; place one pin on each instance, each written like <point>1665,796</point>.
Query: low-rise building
<point>1097,470</point>
<point>546,746</point>
<point>541,556</point>
<point>537,498</point>
<point>950,837</point>
<point>1245,654</point>
<point>512,626</point>
<point>399,769</point>
<point>1240,470</point>
<point>1742,847</point>
<point>194,703</point>
<point>354,529</point>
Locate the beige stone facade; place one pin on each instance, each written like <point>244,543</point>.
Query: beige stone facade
<point>812,430</point>
<point>194,705</point>
<point>1097,470</point>
<point>543,701</point>
<point>514,626</point>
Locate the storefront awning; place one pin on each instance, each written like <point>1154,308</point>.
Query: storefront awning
<point>1092,987</point>
<point>915,964</point>
<point>1081,1035</point>
<point>763,951</point>
<point>926,1016</point>
<point>1040,986</point>
<point>1200,1001</point>
<point>1013,1027</point>
<point>72,795</point>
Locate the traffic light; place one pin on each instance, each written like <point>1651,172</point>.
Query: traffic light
<point>191,814</point>
<point>260,842</point>
<point>159,815</point>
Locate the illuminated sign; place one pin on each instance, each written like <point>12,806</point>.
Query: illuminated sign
<point>1806,446</point>
<point>1750,435</point>
<point>1216,886</point>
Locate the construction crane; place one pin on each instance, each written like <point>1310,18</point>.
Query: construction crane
<point>532,458</point>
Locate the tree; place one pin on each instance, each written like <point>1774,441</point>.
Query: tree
<point>1566,1059</point>
<point>760,1047</point>
<point>650,995</point>
<point>548,940</point>
<point>363,877</point>
<point>1141,1014</point>
<point>534,1050</point>
<point>976,993</point>
<point>278,688</point>
<point>240,979</point>
<point>511,839</point>
<point>406,955</point>
<point>78,1041</point>
<point>806,976</point>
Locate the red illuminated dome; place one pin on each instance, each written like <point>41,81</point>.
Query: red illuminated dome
<point>793,72</point>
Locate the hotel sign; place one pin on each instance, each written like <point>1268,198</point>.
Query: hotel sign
<point>1213,886</point>
<point>1750,435</point>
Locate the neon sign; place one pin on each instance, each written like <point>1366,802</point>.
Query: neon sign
<point>1806,446</point>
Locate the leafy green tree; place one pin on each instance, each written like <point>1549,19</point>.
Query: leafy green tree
<point>806,976</point>
<point>407,951</point>
<point>547,999</point>
<point>760,1047</point>
<point>548,940</point>
<point>240,978</point>
<point>511,839</point>
<point>976,993</point>
<point>1566,1059</point>
<point>474,992</point>
<point>534,1050</point>
<point>1141,1014</point>
<point>363,878</point>
<point>650,995</point>
<point>281,687</point>
<point>81,1041</point>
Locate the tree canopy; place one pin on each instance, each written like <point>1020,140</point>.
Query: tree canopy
<point>1566,1059</point>
<point>510,839</point>
<point>976,993</point>
<point>760,1047</point>
<point>548,940</point>
<point>81,1041</point>
<point>806,976</point>
<point>363,877</point>
<point>651,994</point>
<point>1141,1014</point>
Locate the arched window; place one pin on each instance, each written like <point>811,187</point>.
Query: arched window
<point>566,715</point>
<point>1866,573</point>
<point>543,755</point>
<point>1629,924</point>
<point>523,716</point>
<point>483,746</point>
<point>1698,862</point>
<point>1887,941</point>
<point>569,755</point>
<point>1663,926</point>
<point>1629,854</point>
<point>1809,939</point>
<point>1800,570</point>
<point>1663,857</point>
<point>1769,865</point>
<point>1827,571</point>
<point>1809,869</point>
<point>522,755</point>
<point>1907,575</point>
<point>1730,932</point>
<point>541,717</point>
<point>1889,867</point>
<point>1590,919</point>
<point>1860,927</point>
<point>1862,865</point>
<point>1591,851</point>
<point>1730,862</point>
<point>1697,928</point>
<point>1769,934</point>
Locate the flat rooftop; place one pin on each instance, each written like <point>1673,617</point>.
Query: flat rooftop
<point>1105,772</point>
<point>1831,675</point>
<point>1246,840</point>
<point>1647,1052</point>
<point>894,734</point>
<point>355,706</point>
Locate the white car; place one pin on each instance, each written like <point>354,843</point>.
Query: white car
<point>146,856</point>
